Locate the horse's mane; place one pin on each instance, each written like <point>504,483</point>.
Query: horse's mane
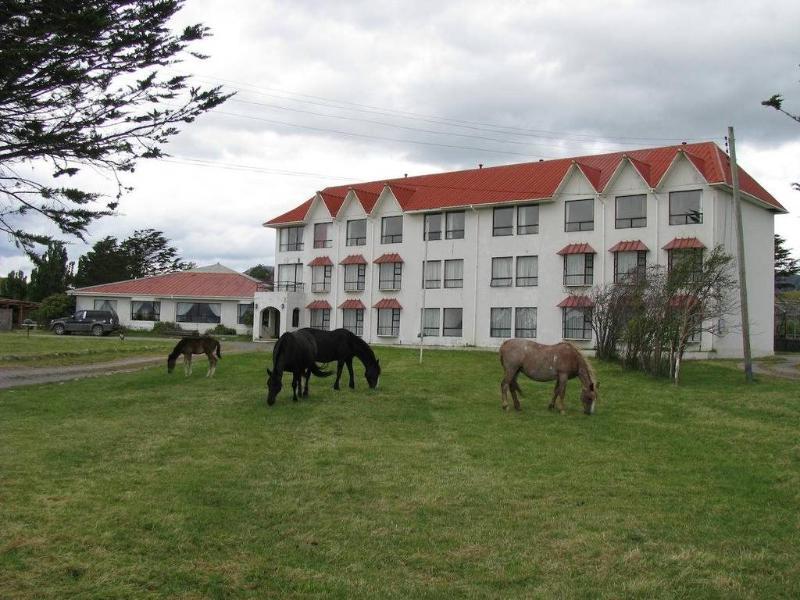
<point>176,351</point>
<point>584,364</point>
<point>361,348</point>
<point>277,349</point>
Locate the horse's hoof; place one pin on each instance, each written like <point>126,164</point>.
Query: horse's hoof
<point>563,412</point>
<point>336,387</point>
<point>505,407</point>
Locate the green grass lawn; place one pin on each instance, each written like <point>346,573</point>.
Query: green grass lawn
<point>47,350</point>
<point>146,485</point>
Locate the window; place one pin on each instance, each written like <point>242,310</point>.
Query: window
<point>528,219</point>
<point>525,322</point>
<point>197,312</point>
<point>353,320</point>
<point>500,323</point>
<point>579,215</point>
<point>354,276</point>
<point>322,235</point>
<point>290,277</point>
<point>321,318</point>
<point>631,211</point>
<point>430,322</point>
<point>321,278</point>
<point>291,238</point>
<point>296,317</point>
<point>433,227</point>
<point>392,230</point>
<point>454,273</point>
<point>527,271</point>
<point>503,221</point>
<point>453,323</point>
<point>147,310</point>
<point>103,304</point>
<point>356,233</point>
<point>389,322</point>
<point>432,274</point>
<point>685,208</point>
<point>577,323</point>
<point>389,276</point>
<point>578,269</point>
<point>455,225</point>
<point>245,314</point>
<point>693,257</point>
<point>501,272</point>
<point>629,266</point>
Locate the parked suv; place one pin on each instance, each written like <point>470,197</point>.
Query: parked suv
<point>96,322</point>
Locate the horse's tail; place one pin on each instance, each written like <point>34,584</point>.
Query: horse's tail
<point>316,370</point>
<point>219,349</point>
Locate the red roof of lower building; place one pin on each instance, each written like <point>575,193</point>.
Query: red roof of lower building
<point>683,301</point>
<point>576,249</point>
<point>321,261</point>
<point>354,259</point>
<point>388,258</point>
<point>630,246</point>
<point>352,304</point>
<point>684,243</point>
<point>189,284</point>
<point>319,305</point>
<point>576,302</point>
<point>387,303</point>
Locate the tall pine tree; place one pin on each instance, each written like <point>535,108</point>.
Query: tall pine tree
<point>52,273</point>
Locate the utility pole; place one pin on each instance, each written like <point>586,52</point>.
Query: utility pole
<point>737,205</point>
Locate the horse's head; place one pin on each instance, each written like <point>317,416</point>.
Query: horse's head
<point>171,360</point>
<point>589,397</point>
<point>372,373</point>
<point>273,386</point>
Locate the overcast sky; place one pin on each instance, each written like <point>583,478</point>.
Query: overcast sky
<point>330,92</point>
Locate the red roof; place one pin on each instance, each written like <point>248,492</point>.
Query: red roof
<point>576,249</point>
<point>190,284</point>
<point>684,243</point>
<point>388,258</point>
<point>319,304</point>
<point>321,261</point>
<point>357,304</point>
<point>631,246</point>
<point>354,259</point>
<point>387,303</point>
<point>575,302</point>
<point>533,181</point>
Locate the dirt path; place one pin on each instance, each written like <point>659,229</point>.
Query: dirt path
<point>19,376</point>
<point>787,368</point>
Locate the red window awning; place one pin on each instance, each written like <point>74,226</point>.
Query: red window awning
<point>352,304</point>
<point>354,259</point>
<point>576,302</point>
<point>321,261</point>
<point>683,301</point>
<point>630,246</point>
<point>387,303</point>
<point>319,304</point>
<point>684,244</point>
<point>388,258</point>
<point>576,249</point>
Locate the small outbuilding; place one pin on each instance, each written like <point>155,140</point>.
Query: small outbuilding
<point>14,312</point>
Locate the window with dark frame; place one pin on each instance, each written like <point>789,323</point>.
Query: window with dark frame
<point>296,317</point>
<point>322,238</point>
<point>320,318</point>
<point>454,273</point>
<point>579,215</point>
<point>527,271</point>
<point>578,269</point>
<point>503,221</point>
<point>149,310</point>
<point>356,232</point>
<point>685,207</point>
<point>353,320</point>
<point>291,238</point>
<point>354,277</point>
<point>501,272</point>
<point>290,277</point>
<point>432,226</point>
<point>389,322</point>
<point>430,322</point>
<point>694,256</point>
<point>321,276</point>
<point>390,276</point>
<point>528,219</point>
<point>631,211</point>
<point>630,266</point>
<point>452,322</point>
<point>245,313</point>
<point>577,323</point>
<point>197,312</point>
<point>500,322</point>
<point>432,274</point>
<point>454,225</point>
<point>392,229</point>
<point>105,304</point>
<point>525,322</point>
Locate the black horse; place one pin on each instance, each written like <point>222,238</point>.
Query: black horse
<point>342,345</point>
<point>294,352</point>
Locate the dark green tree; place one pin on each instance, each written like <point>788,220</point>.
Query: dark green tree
<point>14,286</point>
<point>53,307</point>
<point>785,265</point>
<point>52,273</point>
<point>776,102</point>
<point>104,263</point>
<point>148,253</point>
<point>86,83</point>
<point>261,272</point>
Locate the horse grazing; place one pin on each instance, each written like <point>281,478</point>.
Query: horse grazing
<point>295,352</point>
<point>543,362</point>
<point>195,345</point>
<point>342,345</point>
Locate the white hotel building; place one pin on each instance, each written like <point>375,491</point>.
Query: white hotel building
<point>500,252</point>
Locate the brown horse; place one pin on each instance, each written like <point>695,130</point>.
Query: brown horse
<point>195,345</point>
<point>543,362</point>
